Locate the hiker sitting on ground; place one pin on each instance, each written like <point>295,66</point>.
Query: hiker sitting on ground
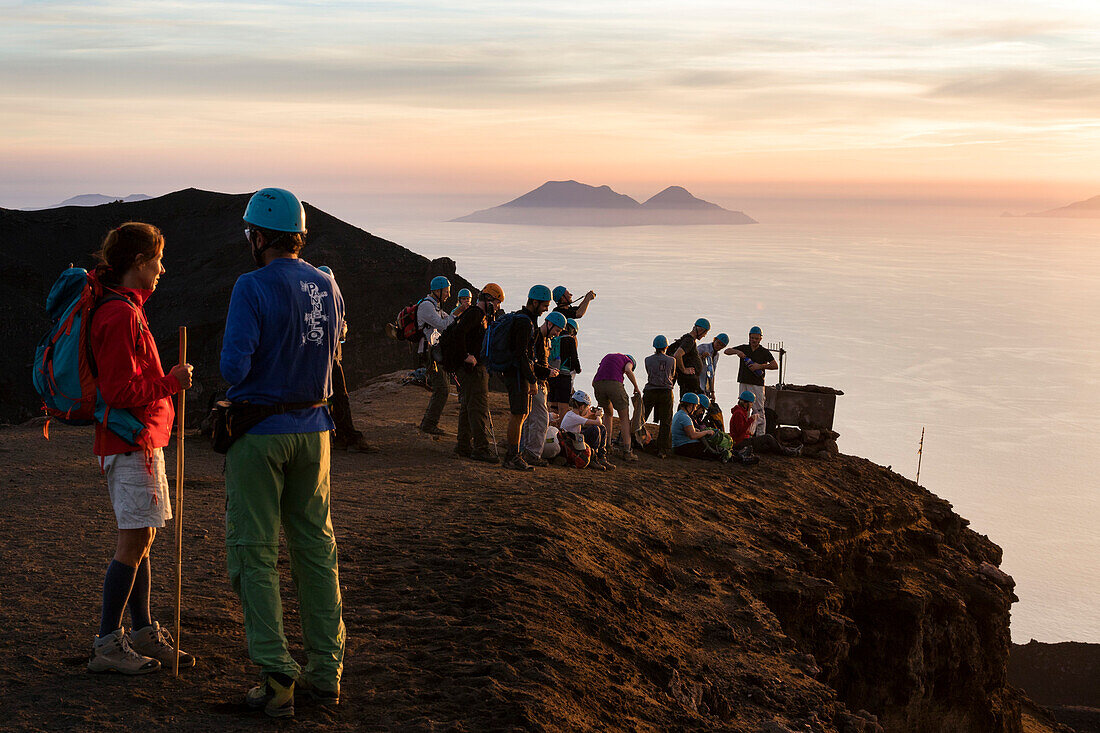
<point>607,384</point>
<point>345,436</point>
<point>743,426</point>
<point>755,360</point>
<point>563,357</point>
<point>472,375</point>
<point>520,376</point>
<point>431,318</point>
<point>563,302</point>
<point>686,353</point>
<point>709,415</point>
<point>538,419</point>
<point>580,418</point>
<point>465,297</point>
<point>661,372</point>
<point>687,440</point>
<point>131,377</point>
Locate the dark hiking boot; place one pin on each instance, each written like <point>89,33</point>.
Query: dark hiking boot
<point>485,456</point>
<point>432,430</point>
<point>532,460</point>
<point>515,462</point>
<point>464,451</point>
<point>602,459</point>
<point>274,696</point>
<point>319,696</point>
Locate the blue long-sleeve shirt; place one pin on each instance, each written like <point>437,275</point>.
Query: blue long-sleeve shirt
<point>281,335</point>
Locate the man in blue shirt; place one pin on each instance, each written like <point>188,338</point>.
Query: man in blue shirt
<point>281,335</point>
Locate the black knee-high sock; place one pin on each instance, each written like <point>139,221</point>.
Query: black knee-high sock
<point>116,590</point>
<point>140,615</point>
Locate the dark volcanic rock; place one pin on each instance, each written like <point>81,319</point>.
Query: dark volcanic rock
<point>204,255</point>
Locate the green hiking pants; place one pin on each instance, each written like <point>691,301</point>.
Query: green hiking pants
<point>273,481</point>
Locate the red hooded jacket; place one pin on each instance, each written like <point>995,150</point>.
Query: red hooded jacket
<point>130,373</point>
<point>741,424</point>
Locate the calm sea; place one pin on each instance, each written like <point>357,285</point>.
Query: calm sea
<point>984,331</point>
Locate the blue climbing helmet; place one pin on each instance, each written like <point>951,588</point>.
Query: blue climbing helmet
<point>559,292</point>
<point>660,342</point>
<point>755,331</point>
<point>326,269</point>
<point>747,396</point>
<point>690,398</point>
<point>465,293</point>
<point>439,283</point>
<point>276,209</point>
<point>724,338</point>
<point>633,361</point>
<point>539,292</point>
<point>556,319</point>
<point>704,401</point>
<point>572,324</point>
<point>703,323</point>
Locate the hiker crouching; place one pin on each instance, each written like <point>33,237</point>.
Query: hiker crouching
<point>130,377</point>
<point>280,339</point>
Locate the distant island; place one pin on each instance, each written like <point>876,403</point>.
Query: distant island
<point>92,199</point>
<point>569,203</point>
<point>1087,209</point>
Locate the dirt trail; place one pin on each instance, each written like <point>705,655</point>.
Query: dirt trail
<point>666,595</point>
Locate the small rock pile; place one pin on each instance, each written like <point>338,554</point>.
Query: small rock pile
<point>815,442</point>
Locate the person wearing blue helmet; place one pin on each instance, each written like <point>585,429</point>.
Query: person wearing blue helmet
<point>431,318</point>
<point>280,339</point>
<point>708,355</point>
<point>564,358</point>
<point>755,360</point>
<point>465,297</point>
<point>657,396</point>
<point>610,392</point>
<point>533,438</point>
<point>687,439</point>
<point>529,367</point>
<point>563,302</point>
<point>686,353</point>
<point>743,429</point>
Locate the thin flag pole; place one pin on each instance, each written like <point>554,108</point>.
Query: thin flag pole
<point>179,500</point>
<point>920,452</point>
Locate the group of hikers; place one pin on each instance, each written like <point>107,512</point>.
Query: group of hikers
<point>280,347</point>
<point>538,363</point>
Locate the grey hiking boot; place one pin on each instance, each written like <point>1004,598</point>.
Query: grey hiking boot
<point>532,460</point>
<point>113,653</point>
<point>516,463</point>
<point>627,455</point>
<point>155,641</point>
<point>275,697</point>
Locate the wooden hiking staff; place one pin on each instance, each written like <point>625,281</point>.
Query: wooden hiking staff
<point>179,500</point>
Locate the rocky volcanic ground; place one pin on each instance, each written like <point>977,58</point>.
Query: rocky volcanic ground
<point>796,595</point>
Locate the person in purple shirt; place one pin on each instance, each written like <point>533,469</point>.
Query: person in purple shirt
<point>281,335</point>
<point>610,391</point>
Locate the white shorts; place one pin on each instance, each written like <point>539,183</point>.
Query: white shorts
<point>140,498</point>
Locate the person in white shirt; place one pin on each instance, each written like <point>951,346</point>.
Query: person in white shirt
<point>581,419</point>
<point>432,319</point>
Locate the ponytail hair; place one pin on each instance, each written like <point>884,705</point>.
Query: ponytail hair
<point>121,248</point>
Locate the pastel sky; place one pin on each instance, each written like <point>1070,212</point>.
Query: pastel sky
<point>433,97</point>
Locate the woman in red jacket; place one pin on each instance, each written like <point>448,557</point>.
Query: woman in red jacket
<point>130,377</point>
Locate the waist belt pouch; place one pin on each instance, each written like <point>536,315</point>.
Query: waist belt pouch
<point>234,419</point>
